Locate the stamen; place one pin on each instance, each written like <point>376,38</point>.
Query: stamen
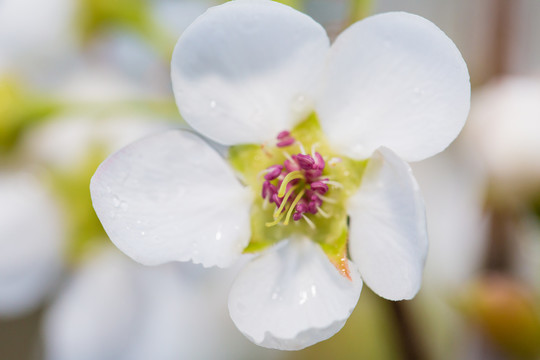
<point>306,162</point>
<point>282,135</point>
<point>286,142</point>
<point>313,147</point>
<point>291,165</point>
<point>319,187</point>
<point>273,172</point>
<point>290,177</point>
<point>293,205</point>
<point>323,213</point>
<point>268,189</point>
<point>319,161</point>
<point>302,206</point>
<point>309,222</point>
<point>334,183</point>
<point>301,146</point>
<point>287,155</point>
<point>327,199</point>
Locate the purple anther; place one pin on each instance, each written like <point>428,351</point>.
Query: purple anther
<point>297,216</point>
<point>319,187</point>
<point>276,200</point>
<point>312,175</point>
<point>285,142</point>
<point>284,134</point>
<point>302,206</point>
<point>273,172</point>
<point>268,190</point>
<point>291,166</point>
<point>306,162</point>
<point>316,200</point>
<point>312,208</point>
<point>319,161</point>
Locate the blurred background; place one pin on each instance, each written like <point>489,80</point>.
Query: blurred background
<point>80,79</point>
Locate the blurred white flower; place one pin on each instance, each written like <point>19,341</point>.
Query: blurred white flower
<point>504,132</point>
<point>101,117</point>
<point>36,36</point>
<point>115,309</point>
<point>455,221</point>
<point>32,240</point>
<point>248,71</point>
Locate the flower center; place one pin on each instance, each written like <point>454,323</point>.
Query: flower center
<point>300,193</point>
<point>297,187</point>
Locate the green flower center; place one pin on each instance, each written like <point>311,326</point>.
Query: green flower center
<point>302,187</point>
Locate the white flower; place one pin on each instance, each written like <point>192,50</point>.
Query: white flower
<point>113,308</point>
<point>455,220</point>
<point>32,239</point>
<point>505,133</point>
<point>36,37</point>
<point>391,87</point>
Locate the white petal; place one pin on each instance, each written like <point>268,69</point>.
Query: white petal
<point>94,316</point>
<point>31,243</point>
<point>45,36</point>
<point>394,80</point>
<point>454,196</point>
<point>80,133</point>
<point>171,197</point>
<point>244,71</point>
<point>134,312</point>
<point>388,238</point>
<point>292,297</point>
<point>504,133</point>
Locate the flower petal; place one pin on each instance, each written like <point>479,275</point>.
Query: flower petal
<point>388,237</point>
<point>244,71</point>
<point>394,80</point>
<point>135,312</point>
<point>171,197</point>
<point>32,240</point>
<point>292,297</point>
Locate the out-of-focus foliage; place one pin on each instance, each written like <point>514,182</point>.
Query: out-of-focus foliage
<point>19,110</point>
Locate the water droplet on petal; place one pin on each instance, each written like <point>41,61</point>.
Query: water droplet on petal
<point>116,201</point>
<point>213,104</point>
<point>303,298</point>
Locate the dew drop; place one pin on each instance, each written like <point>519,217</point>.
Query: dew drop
<point>123,205</point>
<point>213,104</point>
<point>303,298</point>
<point>116,201</point>
<point>218,235</point>
<point>276,294</point>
